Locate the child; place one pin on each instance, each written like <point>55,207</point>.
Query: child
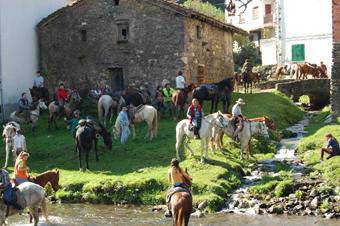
<point>124,123</point>
<point>19,144</point>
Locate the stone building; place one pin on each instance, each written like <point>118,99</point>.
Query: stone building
<point>133,42</point>
<point>335,81</point>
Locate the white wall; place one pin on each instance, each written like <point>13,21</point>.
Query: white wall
<point>19,44</point>
<point>268,50</point>
<point>309,22</point>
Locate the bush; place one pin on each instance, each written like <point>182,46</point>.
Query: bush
<point>266,71</point>
<point>206,8</point>
<point>247,50</point>
<point>284,188</point>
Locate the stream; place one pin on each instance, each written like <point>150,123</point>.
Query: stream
<point>244,213</point>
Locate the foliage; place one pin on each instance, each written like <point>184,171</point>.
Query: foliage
<point>266,185</point>
<point>206,8</point>
<point>246,50</point>
<point>298,194</point>
<point>284,188</point>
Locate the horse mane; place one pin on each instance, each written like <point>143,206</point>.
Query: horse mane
<point>225,82</point>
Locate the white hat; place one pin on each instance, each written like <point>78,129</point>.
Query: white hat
<point>240,101</point>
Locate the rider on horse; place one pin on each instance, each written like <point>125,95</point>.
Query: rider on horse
<point>8,191</point>
<point>62,96</point>
<point>21,168</point>
<point>195,115</point>
<point>24,107</point>
<point>178,180</point>
<point>237,117</point>
<point>180,81</point>
<point>247,68</point>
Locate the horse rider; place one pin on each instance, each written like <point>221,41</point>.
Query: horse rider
<point>332,147</point>
<point>21,168</point>
<point>176,178</point>
<point>247,68</point>
<point>124,123</point>
<point>8,191</point>
<point>73,123</point>
<point>167,93</point>
<point>62,96</point>
<point>24,107</point>
<point>19,144</point>
<point>180,81</point>
<point>195,115</point>
<point>38,80</point>
<point>323,68</point>
<point>237,117</point>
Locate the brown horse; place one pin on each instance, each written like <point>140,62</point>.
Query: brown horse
<point>281,71</point>
<point>306,69</point>
<point>182,99</point>
<point>54,108</point>
<point>181,205</point>
<point>51,177</point>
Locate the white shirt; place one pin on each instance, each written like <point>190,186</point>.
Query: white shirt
<point>236,111</point>
<point>19,141</point>
<point>180,82</point>
<point>38,81</point>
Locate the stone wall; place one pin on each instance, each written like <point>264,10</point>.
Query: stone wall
<point>318,91</point>
<point>153,51</point>
<point>272,84</point>
<point>211,50</point>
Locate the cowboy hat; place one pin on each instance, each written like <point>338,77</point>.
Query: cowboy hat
<point>240,101</point>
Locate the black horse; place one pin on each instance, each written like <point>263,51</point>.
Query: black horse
<point>215,92</point>
<point>137,98</point>
<point>39,93</point>
<point>85,136</point>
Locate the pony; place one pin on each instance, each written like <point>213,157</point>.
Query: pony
<point>140,114</point>
<point>214,92</point>
<point>54,109</point>
<point>306,69</point>
<point>249,79</point>
<point>282,70</point>
<point>181,205</point>
<point>39,93</point>
<point>88,134</point>
<point>7,135</point>
<point>216,120</point>
<point>105,107</point>
<point>136,97</point>
<point>33,114</point>
<point>29,195</point>
<point>182,99</point>
<point>44,178</point>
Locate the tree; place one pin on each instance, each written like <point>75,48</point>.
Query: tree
<point>245,50</point>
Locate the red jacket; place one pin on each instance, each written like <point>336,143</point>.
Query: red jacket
<point>62,94</point>
<point>192,112</point>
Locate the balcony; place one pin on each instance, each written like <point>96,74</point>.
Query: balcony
<point>268,20</point>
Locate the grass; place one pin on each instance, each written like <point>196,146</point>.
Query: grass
<point>137,172</point>
<point>309,148</point>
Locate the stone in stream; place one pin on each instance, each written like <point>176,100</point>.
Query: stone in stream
<point>159,208</point>
<point>276,209</point>
<point>315,203</point>
<point>197,214</point>
<point>244,204</point>
<point>328,215</point>
<point>263,206</point>
<point>202,205</point>
<point>307,211</point>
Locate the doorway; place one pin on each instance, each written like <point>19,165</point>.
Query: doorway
<point>117,79</point>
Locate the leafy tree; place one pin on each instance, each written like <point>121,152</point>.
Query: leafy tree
<point>245,50</point>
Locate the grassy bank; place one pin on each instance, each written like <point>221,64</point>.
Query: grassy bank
<point>137,172</point>
<point>309,148</point>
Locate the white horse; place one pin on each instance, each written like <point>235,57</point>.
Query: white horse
<point>216,120</point>
<point>7,135</point>
<point>29,195</point>
<point>106,105</point>
<point>249,129</point>
<point>33,114</point>
<point>144,113</point>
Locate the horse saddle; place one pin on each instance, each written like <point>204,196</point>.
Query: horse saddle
<point>17,198</point>
<point>175,190</point>
<point>211,88</point>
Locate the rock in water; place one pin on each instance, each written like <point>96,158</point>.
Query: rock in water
<point>244,204</point>
<point>315,203</point>
<point>197,214</point>
<point>202,205</point>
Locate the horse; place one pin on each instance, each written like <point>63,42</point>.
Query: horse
<point>214,92</point>
<point>88,134</point>
<point>33,114</point>
<point>44,178</point>
<point>54,108</point>
<point>142,113</point>
<point>306,69</point>
<point>29,195</point>
<point>216,120</point>
<point>182,99</point>
<point>249,79</point>
<point>39,93</point>
<point>217,140</point>
<point>238,81</point>
<point>7,135</point>
<point>181,205</point>
<point>105,107</point>
<point>136,97</point>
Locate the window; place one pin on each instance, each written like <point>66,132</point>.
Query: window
<point>199,32</point>
<point>268,9</point>
<point>83,34</point>
<point>242,20</point>
<point>116,2</point>
<point>123,32</point>
<point>255,12</point>
<point>298,52</point>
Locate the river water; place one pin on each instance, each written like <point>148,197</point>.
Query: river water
<point>87,214</point>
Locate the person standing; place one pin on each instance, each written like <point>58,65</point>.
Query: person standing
<point>124,123</point>
<point>167,93</point>
<point>332,147</point>
<point>195,115</point>
<point>21,168</point>
<point>237,117</point>
<point>19,144</point>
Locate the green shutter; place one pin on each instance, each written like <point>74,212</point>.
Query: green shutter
<point>298,52</point>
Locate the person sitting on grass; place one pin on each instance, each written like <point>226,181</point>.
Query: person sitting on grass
<point>73,123</point>
<point>178,178</point>
<point>195,115</point>
<point>332,147</point>
<point>21,168</point>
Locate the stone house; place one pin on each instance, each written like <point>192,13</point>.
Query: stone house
<point>335,80</point>
<point>133,43</point>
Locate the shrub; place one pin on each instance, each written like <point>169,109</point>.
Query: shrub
<point>284,188</point>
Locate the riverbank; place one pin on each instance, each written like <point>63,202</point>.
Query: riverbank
<point>136,173</point>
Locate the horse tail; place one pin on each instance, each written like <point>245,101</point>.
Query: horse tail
<point>179,217</point>
<point>44,209</point>
<point>155,124</point>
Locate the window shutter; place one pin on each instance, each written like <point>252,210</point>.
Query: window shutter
<point>298,52</point>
